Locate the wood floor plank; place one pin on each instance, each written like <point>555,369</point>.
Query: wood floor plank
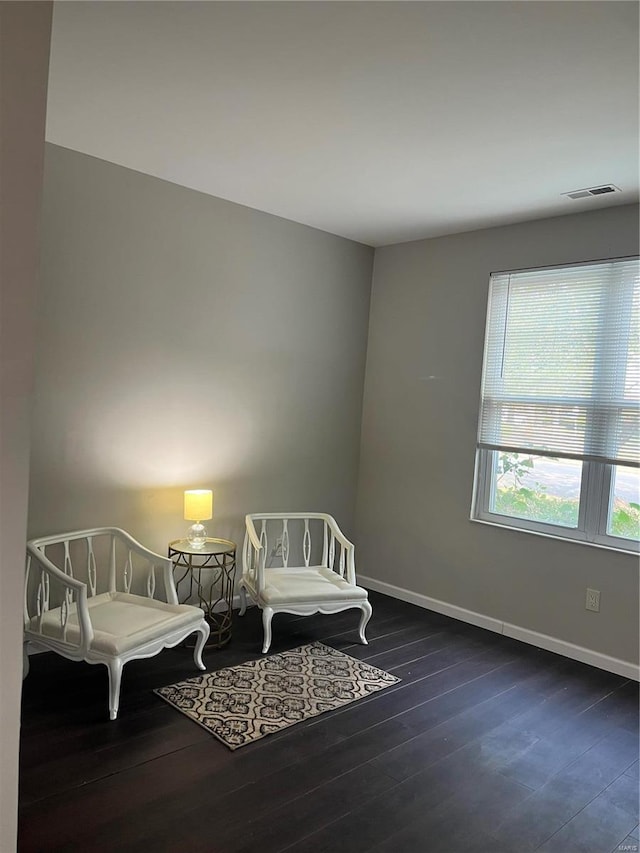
<point>562,738</point>
<point>488,714</point>
<point>402,812</point>
<point>567,793</point>
<point>280,828</point>
<point>633,770</point>
<point>83,764</point>
<point>355,750</point>
<point>627,845</point>
<point>444,757</point>
<point>610,815</point>
<point>469,812</point>
<point>429,749</point>
<point>292,781</point>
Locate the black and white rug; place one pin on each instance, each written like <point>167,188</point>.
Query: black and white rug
<point>241,704</point>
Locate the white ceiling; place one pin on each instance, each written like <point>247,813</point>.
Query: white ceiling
<point>378,121</point>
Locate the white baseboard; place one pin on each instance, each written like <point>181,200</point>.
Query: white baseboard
<point>525,635</point>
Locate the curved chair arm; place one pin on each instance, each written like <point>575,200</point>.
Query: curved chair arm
<point>348,546</point>
<point>252,541</point>
<point>153,558</point>
<point>342,539</point>
<point>253,536</point>
<point>49,572</point>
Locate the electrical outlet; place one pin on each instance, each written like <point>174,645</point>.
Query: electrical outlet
<point>593,600</point>
<point>277,548</point>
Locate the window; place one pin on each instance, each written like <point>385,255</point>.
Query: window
<point>559,427</point>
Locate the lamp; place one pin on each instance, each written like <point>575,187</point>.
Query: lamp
<point>198,507</point>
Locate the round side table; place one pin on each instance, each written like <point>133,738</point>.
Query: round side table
<point>210,574</point>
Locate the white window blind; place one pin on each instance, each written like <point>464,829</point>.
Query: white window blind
<point>561,372</point>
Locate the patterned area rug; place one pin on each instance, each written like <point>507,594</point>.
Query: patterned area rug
<point>241,704</point>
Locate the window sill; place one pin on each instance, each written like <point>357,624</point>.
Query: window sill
<point>558,537</point>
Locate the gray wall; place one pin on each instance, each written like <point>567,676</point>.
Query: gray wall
<point>24,60</point>
<point>420,416</point>
<point>188,342</point>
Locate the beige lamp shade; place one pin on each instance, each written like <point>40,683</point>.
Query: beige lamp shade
<point>198,504</point>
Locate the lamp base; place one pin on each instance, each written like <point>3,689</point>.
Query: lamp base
<point>197,535</point>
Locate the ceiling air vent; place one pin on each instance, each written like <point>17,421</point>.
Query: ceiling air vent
<point>603,190</point>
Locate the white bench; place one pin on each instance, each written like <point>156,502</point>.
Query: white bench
<point>90,595</point>
<point>299,563</point>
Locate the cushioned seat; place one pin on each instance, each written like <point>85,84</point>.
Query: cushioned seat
<point>309,584</point>
<point>316,571</point>
<point>120,621</point>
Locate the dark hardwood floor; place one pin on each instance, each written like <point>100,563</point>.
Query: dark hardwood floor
<point>486,745</point>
